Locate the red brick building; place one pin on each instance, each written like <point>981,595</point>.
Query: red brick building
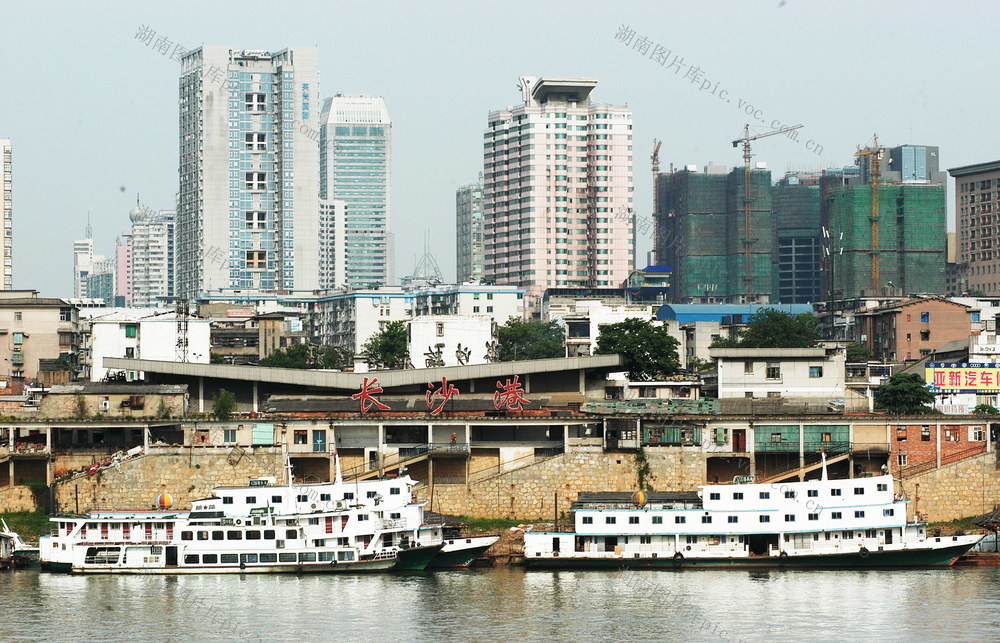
<point>911,329</point>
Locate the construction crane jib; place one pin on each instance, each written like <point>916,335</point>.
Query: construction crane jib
<point>874,154</point>
<point>749,294</point>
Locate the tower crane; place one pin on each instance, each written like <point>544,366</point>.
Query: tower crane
<point>747,199</point>
<point>874,154</point>
<point>655,158</point>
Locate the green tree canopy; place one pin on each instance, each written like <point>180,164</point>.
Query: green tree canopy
<point>388,347</point>
<point>904,393</point>
<point>223,404</point>
<point>858,353</point>
<point>648,351</point>
<point>770,328</point>
<point>307,356</point>
<point>518,339</point>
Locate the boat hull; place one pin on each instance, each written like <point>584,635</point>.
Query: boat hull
<point>462,555</point>
<point>923,557</point>
<point>363,566</point>
<point>416,559</point>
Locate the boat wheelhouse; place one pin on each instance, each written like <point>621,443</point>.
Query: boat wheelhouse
<point>817,523</point>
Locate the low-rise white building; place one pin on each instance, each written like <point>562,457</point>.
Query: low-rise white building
<point>815,373</point>
<point>449,340</point>
<point>498,303</point>
<point>157,337</point>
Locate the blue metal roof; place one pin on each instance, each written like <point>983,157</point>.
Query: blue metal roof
<point>715,312</point>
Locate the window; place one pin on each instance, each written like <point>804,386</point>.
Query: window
<point>255,181</point>
<point>256,259</point>
<point>775,437</point>
<point>859,514</point>
<point>826,437</point>
<point>325,497</point>
<point>748,368</point>
<point>714,496</point>
<point>773,371</point>
<point>789,517</point>
<point>209,559</point>
<point>256,220</point>
<point>18,338</point>
<point>738,495</point>
<point>764,495</point>
<point>234,535</point>
<point>185,535</point>
<point>227,500</point>
<point>307,557</point>
<point>633,520</point>
<point>706,520</point>
<point>859,491</point>
<point>925,317</point>
<point>732,519</point>
<point>268,558</point>
<point>610,520</point>
<point>131,330</point>
<point>229,437</point>
<point>275,500</point>
<point>218,535</point>
<point>229,559</point>
<point>835,492</point>
<point>286,557</point>
<point>301,437</point>
<point>901,459</point>
<point>251,500</point>
<point>882,487</point>
<point>253,535</point>
<point>202,535</point>
<point>925,433</point>
<point>439,329</point>
<point>394,491</point>
<point>790,494</point>
<point>977,434</point>
<point>835,515</point>
<point>255,102</point>
<point>765,518</point>
<point>680,520</point>
<point>888,512</point>
<point>812,493</point>
<point>17,317</point>
<point>268,534</point>
<point>291,534</point>
<point>813,516</point>
<point>255,141</point>
<point>657,520</point>
<point>815,371</point>
<point>774,393</point>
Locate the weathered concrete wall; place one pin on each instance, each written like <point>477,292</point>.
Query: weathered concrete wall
<point>969,487</point>
<point>17,498</point>
<point>529,492</point>
<point>186,474</point>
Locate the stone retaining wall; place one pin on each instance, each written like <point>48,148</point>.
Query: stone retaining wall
<point>969,487</point>
<point>530,492</point>
<point>186,474</point>
<point>17,498</point>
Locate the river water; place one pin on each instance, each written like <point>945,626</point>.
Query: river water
<point>508,604</point>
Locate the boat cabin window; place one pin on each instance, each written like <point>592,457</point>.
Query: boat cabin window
<point>888,512</point>
<point>813,516</point>
<point>248,558</point>
<point>871,533</point>
<point>325,497</point>
<point>609,520</point>
<point>291,534</point>
<point>859,514</point>
<point>835,515</point>
<point>229,559</point>
<point>397,516</point>
<point>218,535</point>
<point>706,520</point>
<point>588,520</point>
<point>187,535</point>
<point>834,492</point>
<point>362,516</point>
<point>882,487</point>
<point>251,500</point>
<point>302,498</point>
<point>691,540</point>
<point>738,495</point>
<point>343,542</point>
<point>275,500</point>
<point>227,500</point>
<point>657,520</point>
<point>286,557</point>
<point>191,559</point>
<point>371,494</point>
<point>764,495</point>
<point>790,494</point>
<point>202,535</point>
<point>268,534</point>
<point>645,540</point>
<point>714,496</point>
<point>234,535</point>
<point>210,559</point>
<point>765,518</point>
<point>268,558</point>
<point>859,491</point>
<point>395,491</point>
<point>348,495</point>
<point>319,542</point>
<point>789,517</point>
<point>253,535</point>
<point>680,519</point>
<point>314,521</point>
<point>812,493</point>
<point>733,519</point>
<point>307,557</point>
<point>633,520</point>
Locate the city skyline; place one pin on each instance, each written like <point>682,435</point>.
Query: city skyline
<point>132,138</point>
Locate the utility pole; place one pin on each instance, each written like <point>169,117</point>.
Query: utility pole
<point>749,294</point>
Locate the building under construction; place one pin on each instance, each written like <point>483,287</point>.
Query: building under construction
<point>910,225</point>
<point>701,229</point>
<point>798,237</point>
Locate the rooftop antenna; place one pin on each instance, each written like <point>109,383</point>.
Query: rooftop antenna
<point>89,230</point>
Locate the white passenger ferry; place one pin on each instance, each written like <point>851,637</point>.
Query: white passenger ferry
<point>817,523</point>
<point>260,528</point>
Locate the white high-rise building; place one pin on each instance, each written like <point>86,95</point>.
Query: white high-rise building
<point>355,167</point>
<point>84,261</point>
<point>152,264</point>
<point>248,208</point>
<point>557,190</point>
<point>8,214</point>
<point>332,249</point>
<point>469,231</point>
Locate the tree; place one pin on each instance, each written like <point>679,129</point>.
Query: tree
<point>985,409</point>
<point>223,405</point>
<point>904,393</point>
<point>216,358</point>
<point>770,328</point>
<point>307,356</point>
<point>518,339</point>
<point>388,347</point>
<point>858,353</point>
<point>647,351</point>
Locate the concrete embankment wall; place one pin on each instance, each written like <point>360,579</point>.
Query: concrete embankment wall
<point>17,498</point>
<point>530,492</point>
<point>969,487</point>
<point>187,474</point>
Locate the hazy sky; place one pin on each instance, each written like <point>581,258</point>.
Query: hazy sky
<point>92,112</point>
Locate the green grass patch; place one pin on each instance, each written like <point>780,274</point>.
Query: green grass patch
<point>492,525</point>
<point>950,527</point>
<point>28,524</point>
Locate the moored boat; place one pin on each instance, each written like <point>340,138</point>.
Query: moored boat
<point>812,524</point>
<point>458,551</point>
